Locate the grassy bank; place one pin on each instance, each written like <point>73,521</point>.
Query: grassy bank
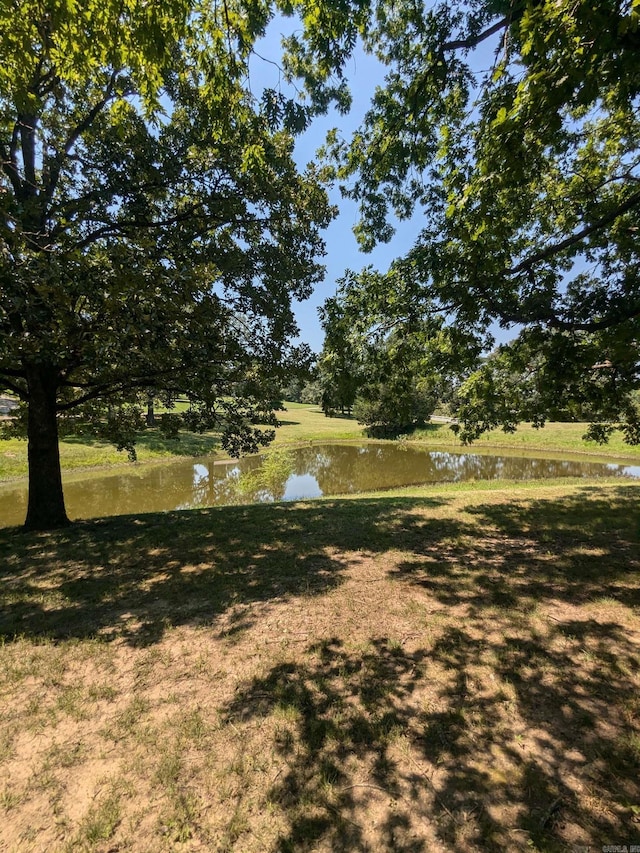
<point>302,423</point>
<point>449,670</point>
<point>560,437</point>
<point>83,452</point>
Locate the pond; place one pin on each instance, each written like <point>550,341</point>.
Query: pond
<point>305,472</point>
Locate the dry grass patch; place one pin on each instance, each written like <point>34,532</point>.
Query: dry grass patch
<point>456,671</point>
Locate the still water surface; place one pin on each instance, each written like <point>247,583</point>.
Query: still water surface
<point>315,470</point>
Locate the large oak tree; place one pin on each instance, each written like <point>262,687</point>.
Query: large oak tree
<point>153,225</point>
<point>510,130</point>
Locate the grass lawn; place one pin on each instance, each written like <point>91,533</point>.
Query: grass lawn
<point>301,423</point>
<point>554,437</point>
<point>445,669</point>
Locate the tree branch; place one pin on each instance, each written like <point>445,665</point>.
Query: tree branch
<point>474,41</point>
<point>27,130</point>
<point>555,248</point>
<point>109,388</point>
<point>136,224</point>
<point>10,163</point>
<point>23,393</point>
<point>132,225</point>
<point>9,371</point>
<point>11,172</point>
<point>74,135</point>
<point>73,206</point>
<point>613,319</point>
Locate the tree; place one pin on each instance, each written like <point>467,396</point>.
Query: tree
<point>396,398</point>
<point>339,366</point>
<point>153,225</point>
<point>403,358</point>
<point>514,129</point>
<point>311,392</point>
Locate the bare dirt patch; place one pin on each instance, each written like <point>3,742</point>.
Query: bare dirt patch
<point>456,672</point>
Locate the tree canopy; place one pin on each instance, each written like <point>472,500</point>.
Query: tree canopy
<point>153,225</point>
<point>512,130</point>
<point>384,371</point>
<point>340,364</point>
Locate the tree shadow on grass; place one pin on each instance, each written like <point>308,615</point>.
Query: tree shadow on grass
<point>502,732</point>
<point>510,722</point>
<point>341,708</point>
<point>568,752</point>
<point>388,749</point>
<point>133,577</point>
<point>184,444</point>
<point>152,439</point>
<point>528,551</point>
<point>545,754</point>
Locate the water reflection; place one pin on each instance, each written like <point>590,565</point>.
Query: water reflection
<point>314,471</point>
<point>342,469</point>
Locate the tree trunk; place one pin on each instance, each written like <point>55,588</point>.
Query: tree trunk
<point>151,415</point>
<point>46,509</point>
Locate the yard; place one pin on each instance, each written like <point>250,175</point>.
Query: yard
<point>436,669</point>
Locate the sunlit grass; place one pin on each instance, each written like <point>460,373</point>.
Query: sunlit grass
<point>77,452</point>
<point>302,422</point>
<point>552,437</point>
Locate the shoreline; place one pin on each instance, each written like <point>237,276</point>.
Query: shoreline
<point>221,458</point>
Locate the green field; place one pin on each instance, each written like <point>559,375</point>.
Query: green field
<point>304,422</point>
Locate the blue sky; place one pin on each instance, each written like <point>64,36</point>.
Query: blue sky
<point>342,248</point>
<point>364,73</point>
